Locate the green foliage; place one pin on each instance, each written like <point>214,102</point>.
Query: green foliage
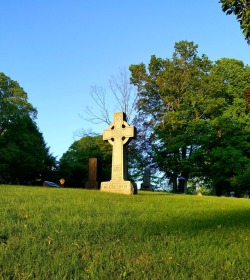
<point>193,116</point>
<point>74,164</point>
<point>14,103</point>
<point>171,99</point>
<point>240,8</point>
<point>48,233</point>
<point>241,182</point>
<point>24,157</point>
<point>226,146</point>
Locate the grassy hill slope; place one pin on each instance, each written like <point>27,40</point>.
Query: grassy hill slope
<point>48,233</point>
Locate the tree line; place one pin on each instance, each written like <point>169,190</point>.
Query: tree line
<point>193,119</point>
<point>191,115</point>
<point>24,156</point>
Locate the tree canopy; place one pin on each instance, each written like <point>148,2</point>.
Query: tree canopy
<point>24,156</point>
<point>240,8</point>
<point>13,103</point>
<point>74,163</point>
<point>193,116</point>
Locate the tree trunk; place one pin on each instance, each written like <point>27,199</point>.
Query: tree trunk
<point>174,179</point>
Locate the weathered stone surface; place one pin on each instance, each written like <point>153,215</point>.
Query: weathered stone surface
<point>181,184</point>
<point>118,135</point>
<point>146,185</point>
<point>92,182</point>
<point>124,187</point>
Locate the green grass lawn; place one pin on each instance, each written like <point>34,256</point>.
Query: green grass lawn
<point>48,233</point>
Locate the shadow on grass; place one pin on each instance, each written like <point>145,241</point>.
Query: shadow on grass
<point>230,221</point>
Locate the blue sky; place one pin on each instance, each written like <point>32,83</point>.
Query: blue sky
<point>58,49</point>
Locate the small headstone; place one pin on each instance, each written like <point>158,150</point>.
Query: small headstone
<point>118,135</point>
<point>181,184</point>
<point>232,194</point>
<point>135,187</point>
<point>145,185</point>
<point>92,183</point>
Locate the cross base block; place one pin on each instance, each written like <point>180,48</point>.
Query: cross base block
<point>123,187</point>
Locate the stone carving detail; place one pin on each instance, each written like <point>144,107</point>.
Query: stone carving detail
<point>118,134</point>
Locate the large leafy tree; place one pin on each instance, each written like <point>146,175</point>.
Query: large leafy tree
<point>226,147</point>
<point>171,101</point>
<point>240,8</point>
<point>73,165</point>
<point>191,110</point>
<point>14,103</point>
<point>24,156</point>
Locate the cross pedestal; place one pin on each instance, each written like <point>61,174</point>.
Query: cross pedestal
<point>118,134</point>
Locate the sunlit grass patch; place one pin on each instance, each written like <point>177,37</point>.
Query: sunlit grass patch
<point>84,234</point>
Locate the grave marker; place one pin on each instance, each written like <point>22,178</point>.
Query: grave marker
<point>118,135</point>
<point>181,184</point>
<point>145,185</point>
<point>92,183</point>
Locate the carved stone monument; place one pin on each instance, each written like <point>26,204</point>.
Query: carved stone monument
<point>92,183</point>
<point>118,135</point>
<point>145,185</point>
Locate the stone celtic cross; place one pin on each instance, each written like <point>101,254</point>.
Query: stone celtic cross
<point>118,134</point>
